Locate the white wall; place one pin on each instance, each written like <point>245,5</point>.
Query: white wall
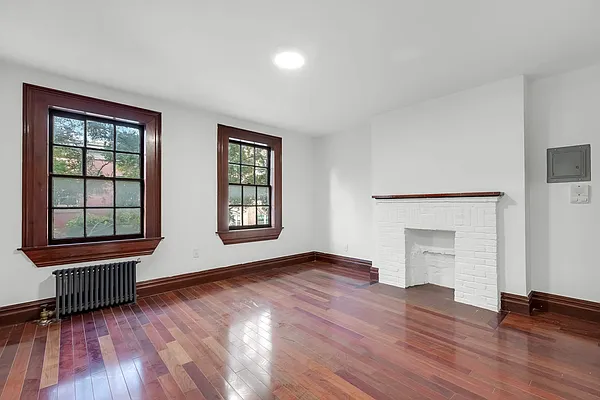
<point>563,110</point>
<point>342,193</point>
<point>189,190</point>
<point>466,142</point>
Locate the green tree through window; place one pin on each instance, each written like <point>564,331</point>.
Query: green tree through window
<point>249,185</point>
<point>96,178</point>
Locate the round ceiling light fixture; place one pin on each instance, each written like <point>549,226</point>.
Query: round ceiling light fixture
<point>289,60</point>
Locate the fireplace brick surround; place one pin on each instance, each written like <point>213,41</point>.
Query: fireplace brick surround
<point>473,218</point>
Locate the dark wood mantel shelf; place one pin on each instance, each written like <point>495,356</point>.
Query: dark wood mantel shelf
<point>437,195</point>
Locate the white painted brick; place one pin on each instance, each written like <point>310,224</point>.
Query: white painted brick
<point>492,275</point>
<point>474,222</point>
<point>477,273</point>
<point>466,278</point>
<point>491,301</point>
<point>476,235</point>
<point>465,254</point>
<point>486,280</point>
<point>480,217</point>
<point>463,266</point>
<point>485,255</point>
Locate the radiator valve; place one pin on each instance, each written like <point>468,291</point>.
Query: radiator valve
<point>45,316</point>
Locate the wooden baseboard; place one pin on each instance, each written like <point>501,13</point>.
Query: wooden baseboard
<point>515,303</point>
<point>546,302</point>
<point>24,312</point>
<point>374,274</point>
<point>349,262</point>
<point>160,285</point>
<point>582,309</point>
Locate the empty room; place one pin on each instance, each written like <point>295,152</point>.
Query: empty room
<point>319,199</point>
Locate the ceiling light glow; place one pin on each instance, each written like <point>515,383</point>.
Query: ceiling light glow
<point>289,60</point>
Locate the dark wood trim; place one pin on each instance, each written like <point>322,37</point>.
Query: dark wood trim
<point>374,275</point>
<point>46,256</point>
<point>160,285</point>
<point>437,195</point>
<point>515,303</point>
<point>348,262</point>
<point>224,133</point>
<point>582,309</point>
<point>23,312</point>
<point>37,101</point>
<point>249,235</point>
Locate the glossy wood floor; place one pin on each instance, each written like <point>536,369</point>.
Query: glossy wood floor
<point>312,331</point>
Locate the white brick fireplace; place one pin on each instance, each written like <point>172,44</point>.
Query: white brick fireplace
<point>472,221</point>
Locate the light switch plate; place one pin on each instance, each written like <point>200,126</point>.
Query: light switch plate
<point>580,193</point>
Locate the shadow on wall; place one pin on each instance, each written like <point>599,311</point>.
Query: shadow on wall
<point>542,239</point>
<point>46,286</point>
<point>504,203</point>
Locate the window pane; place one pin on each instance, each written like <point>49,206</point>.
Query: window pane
<point>128,139</point>
<point>235,195</point>
<point>262,158</point>
<point>67,224</point>
<point>262,216</point>
<point>67,192</point>
<point>68,131</point>
<point>247,155</point>
<point>262,195</point>
<point>235,216</point>
<point>249,195</point>
<point>234,153</point>
<point>99,222</point>
<point>128,221</point>
<point>100,135</point>
<point>100,193</point>
<point>128,194</point>
<point>100,163</point>
<point>234,173</point>
<point>248,175</point>
<point>128,165</point>
<point>67,161</point>
<point>261,176</point>
<point>249,217</point>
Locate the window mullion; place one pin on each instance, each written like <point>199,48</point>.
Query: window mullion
<point>84,172</point>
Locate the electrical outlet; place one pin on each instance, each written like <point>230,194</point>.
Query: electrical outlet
<point>196,253</point>
<point>346,248</point>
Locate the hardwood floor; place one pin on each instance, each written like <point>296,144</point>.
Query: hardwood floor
<point>312,331</point>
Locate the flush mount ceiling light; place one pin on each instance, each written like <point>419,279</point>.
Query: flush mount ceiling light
<point>289,60</point>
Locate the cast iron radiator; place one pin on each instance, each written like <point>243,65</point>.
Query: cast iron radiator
<point>93,287</point>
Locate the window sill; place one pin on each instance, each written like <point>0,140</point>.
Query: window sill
<point>46,256</point>
<point>249,235</point>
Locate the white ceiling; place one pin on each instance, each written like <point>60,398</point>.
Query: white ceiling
<point>363,56</point>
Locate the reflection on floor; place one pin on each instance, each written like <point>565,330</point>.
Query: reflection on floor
<point>312,331</point>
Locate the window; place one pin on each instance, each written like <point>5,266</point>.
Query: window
<point>249,186</point>
<point>91,178</point>
<point>100,198</point>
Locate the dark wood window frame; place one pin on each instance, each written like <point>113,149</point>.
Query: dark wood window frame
<point>37,104</point>
<point>234,236</point>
